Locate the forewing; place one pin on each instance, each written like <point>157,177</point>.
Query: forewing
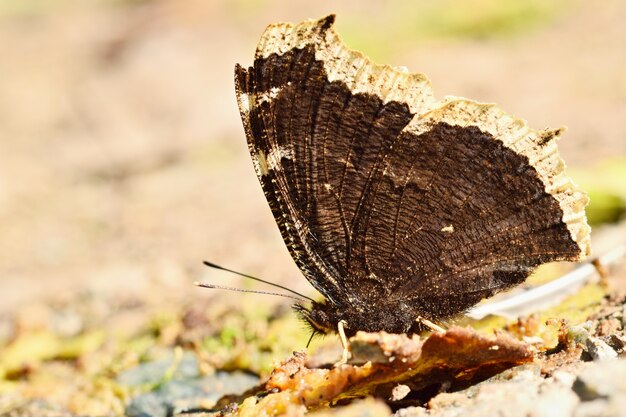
<point>316,136</point>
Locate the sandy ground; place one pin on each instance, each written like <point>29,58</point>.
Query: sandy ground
<point>123,163</point>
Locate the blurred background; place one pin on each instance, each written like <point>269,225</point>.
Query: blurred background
<point>123,162</point>
<point>123,165</point>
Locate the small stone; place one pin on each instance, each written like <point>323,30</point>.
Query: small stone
<point>399,392</point>
<point>593,408</point>
<point>601,380</point>
<point>614,407</point>
<point>526,394</point>
<point>564,378</point>
<point>412,412</point>
<point>617,342</point>
<point>186,388</point>
<point>608,326</point>
<point>533,340</point>
<point>599,350</point>
<point>147,405</point>
<point>553,401</point>
<point>446,400</point>
<point>146,373</point>
<point>177,395</point>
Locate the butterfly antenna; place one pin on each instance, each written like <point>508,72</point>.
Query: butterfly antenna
<point>310,339</point>
<point>212,265</point>
<point>220,287</point>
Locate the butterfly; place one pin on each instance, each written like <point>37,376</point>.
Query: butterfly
<point>397,206</point>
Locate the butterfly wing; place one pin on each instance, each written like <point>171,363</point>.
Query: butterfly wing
<point>382,193</point>
<point>480,203</point>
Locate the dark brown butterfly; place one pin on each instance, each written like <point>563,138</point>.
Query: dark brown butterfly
<point>396,205</point>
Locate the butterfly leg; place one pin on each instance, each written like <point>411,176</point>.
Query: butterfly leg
<point>344,342</point>
<point>429,324</point>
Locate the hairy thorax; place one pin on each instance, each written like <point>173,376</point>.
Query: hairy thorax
<point>392,318</point>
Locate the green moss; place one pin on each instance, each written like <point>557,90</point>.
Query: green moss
<point>30,348</point>
<point>82,344</point>
<point>606,186</point>
<point>488,18</point>
<point>408,22</point>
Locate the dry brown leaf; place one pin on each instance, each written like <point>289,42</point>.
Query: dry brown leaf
<point>449,360</point>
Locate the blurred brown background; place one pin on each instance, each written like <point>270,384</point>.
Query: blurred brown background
<point>123,163</point>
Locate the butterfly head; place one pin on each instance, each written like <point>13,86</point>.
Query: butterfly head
<point>320,316</point>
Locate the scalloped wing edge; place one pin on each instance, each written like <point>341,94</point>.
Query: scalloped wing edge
<point>362,75</point>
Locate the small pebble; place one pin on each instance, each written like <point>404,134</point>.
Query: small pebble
<point>412,412</point>
<point>599,350</point>
<point>399,392</point>
<point>608,326</point>
<point>617,342</point>
<point>601,380</point>
<point>564,378</point>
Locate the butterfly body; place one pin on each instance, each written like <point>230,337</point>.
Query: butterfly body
<point>395,205</point>
<point>392,317</point>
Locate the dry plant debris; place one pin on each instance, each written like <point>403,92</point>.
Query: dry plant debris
<point>383,362</point>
